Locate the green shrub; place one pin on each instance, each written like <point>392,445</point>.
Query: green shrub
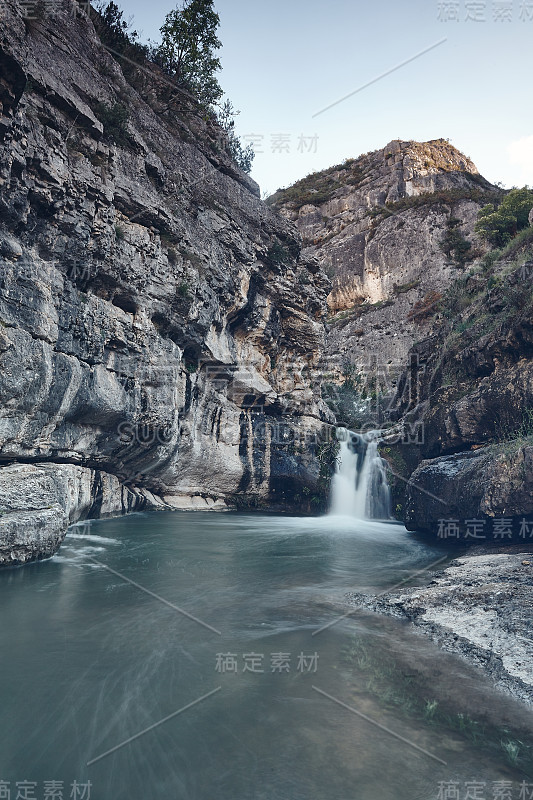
<point>318,187</point>
<point>172,256</point>
<point>465,325</point>
<point>490,259</point>
<point>402,288</point>
<point>114,118</point>
<point>511,750</point>
<point>116,34</point>
<point>454,243</point>
<point>525,237</point>
<point>509,427</point>
<point>192,258</point>
<point>277,255</point>
<point>456,298</point>
<point>499,223</point>
<point>31,85</point>
<point>243,156</point>
<point>443,196</point>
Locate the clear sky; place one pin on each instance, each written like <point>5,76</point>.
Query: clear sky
<point>285,60</point>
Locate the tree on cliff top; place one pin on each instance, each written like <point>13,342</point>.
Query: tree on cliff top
<point>188,49</point>
<point>243,156</point>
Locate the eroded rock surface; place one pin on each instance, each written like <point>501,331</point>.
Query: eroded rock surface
<point>39,501</point>
<point>473,404</point>
<point>481,607</point>
<point>486,483</point>
<point>377,225</point>
<point>153,324</point>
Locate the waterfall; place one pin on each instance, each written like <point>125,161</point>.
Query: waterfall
<point>359,486</point>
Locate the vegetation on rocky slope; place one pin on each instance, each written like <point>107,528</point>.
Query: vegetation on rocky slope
<point>474,379</point>
<point>494,296</point>
<point>499,223</point>
<point>185,64</point>
<point>478,195</point>
<point>319,187</point>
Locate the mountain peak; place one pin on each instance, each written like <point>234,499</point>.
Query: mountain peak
<point>379,226</point>
<point>431,156</point>
<point>398,170</point>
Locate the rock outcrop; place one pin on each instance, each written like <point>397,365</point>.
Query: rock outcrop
<point>485,485</point>
<point>481,607</point>
<point>159,328</point>
<point>39,501</point>
<point>392,229</point>
<point>474,406</point>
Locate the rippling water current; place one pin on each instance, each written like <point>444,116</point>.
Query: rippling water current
<point>90,660</point>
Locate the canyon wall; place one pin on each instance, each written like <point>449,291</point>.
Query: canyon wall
<point>429,334</point>
<point>168,340</point>
<point>474,408</point>
<point>385,228</point>
<point>160,330</point>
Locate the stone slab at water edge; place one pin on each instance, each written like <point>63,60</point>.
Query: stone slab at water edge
<point>480,606</point>
<point>39,501</point>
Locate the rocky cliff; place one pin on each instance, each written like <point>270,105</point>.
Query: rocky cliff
<point>474,406</point>
<point>162,336</point>
<point>392,228</point>
<point>160,329</point>
<point>429,333</point>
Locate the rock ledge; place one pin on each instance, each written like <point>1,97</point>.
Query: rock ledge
<point>480,606</point>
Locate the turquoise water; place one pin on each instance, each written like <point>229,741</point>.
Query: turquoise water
<point>90,660</point>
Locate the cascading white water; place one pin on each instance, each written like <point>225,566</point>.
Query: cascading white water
<point>359,486</point>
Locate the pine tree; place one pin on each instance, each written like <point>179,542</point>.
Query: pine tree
<point>188,49</point>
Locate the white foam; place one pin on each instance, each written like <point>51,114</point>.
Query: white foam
<point>91,537</point>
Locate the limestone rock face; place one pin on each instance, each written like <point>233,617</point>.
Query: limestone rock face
<point>158,323</point>
<point>39,501</point>
<point>377,226</point>
<point>414,305</point>
<point>468,486</point>
<point>473,405</point>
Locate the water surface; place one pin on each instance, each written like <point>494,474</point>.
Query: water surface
<point>90,660</point>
